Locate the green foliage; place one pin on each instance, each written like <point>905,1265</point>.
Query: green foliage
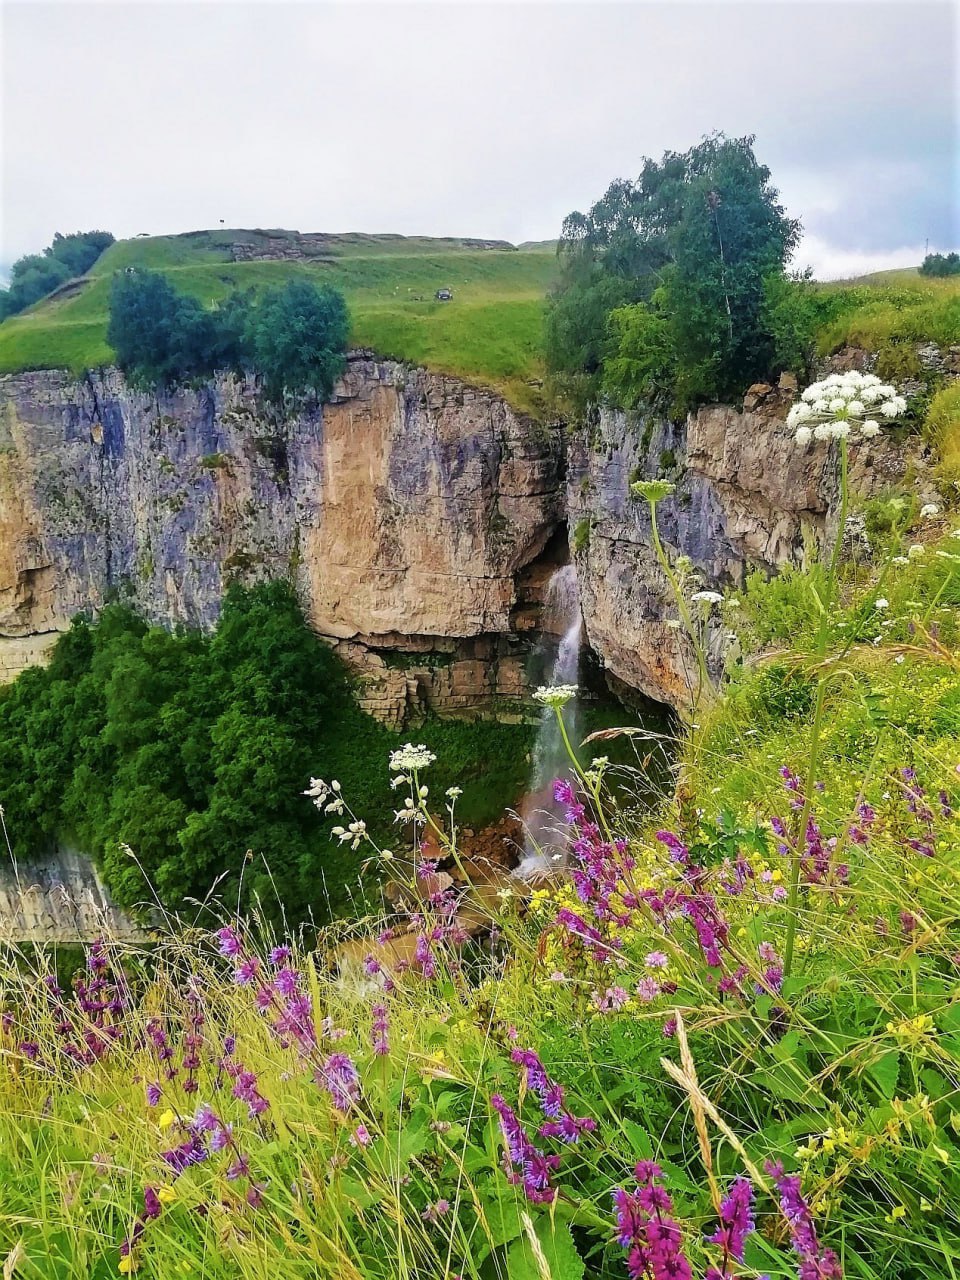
<point>942,428</point>
<point>889,307</point>
<point>790,315</point>
<point>192,749</point>
<point>34,276</point>
<point>298,334</point>
<point>294,336</point>
<point>581,535</point>
<point>691,246</point>
<point>491,334</point>
<point>642,361</point>
<point>898,361</point>
<point>941,264</point>
<point>160,336</point>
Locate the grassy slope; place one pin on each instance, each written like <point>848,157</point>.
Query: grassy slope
<point>490,333</point>
<point>892,306</point>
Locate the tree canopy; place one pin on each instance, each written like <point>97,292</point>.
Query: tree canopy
<point>294,336</point>
<point>940,264</point>
<point>37,274</point>
<point>666,281</point>
<point>190,749</point>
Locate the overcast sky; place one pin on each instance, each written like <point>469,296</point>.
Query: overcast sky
<point>472,119</point>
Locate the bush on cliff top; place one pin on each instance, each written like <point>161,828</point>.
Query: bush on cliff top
<point>294,336</point>
<point>37,274</point>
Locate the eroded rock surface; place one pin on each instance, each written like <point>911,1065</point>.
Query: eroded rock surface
<point>746,497</point>
<point>410,512</point>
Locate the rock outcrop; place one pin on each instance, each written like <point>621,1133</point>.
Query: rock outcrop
<point>59,898</point>
<point>419,517</point>
<point>411,512</point>
<point>746,497</point>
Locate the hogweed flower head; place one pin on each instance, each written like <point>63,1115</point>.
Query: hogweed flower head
<point>410,757</point>
<point>555,695</point>
<point>843,404</point>
<point>653,491</point>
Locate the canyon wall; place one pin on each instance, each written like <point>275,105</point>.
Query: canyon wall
<point>417,516</point>
<point>420,519</point>
<point>59,898</point>
<point>747,497</point>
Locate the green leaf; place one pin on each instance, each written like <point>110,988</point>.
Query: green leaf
<point>563,1261</point>
<point>886,1072</point>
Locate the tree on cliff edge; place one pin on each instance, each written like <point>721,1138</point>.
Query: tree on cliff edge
<point>298,336</point>
<point>294,336</point>
<point>679,263</point>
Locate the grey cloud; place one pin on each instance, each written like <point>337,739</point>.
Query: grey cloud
<point>466,119</point>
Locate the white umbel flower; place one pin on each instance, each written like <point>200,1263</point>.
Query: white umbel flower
<point>410,757</point>
<point>836,408</point>
<point>929,510</point>
<point>555,695</point>
<point>707,597</point>
<point>881,602</point>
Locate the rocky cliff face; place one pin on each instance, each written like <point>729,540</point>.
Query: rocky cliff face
<point>419,517</point>
<point>746,497</point>
<point>59,898</point>
<point>414,513</point>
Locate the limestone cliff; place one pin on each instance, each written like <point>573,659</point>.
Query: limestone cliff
<point>746,497</point>
<point>412,511</point>
<point>419,517</point>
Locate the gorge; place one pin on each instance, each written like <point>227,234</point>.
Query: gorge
<point>421,520</point>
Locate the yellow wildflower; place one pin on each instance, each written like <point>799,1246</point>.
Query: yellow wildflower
<point>166,1120</point>
<point>125,1265</point>
<point>166,1195</point>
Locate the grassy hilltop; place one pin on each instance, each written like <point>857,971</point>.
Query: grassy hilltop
<point>489,334</point>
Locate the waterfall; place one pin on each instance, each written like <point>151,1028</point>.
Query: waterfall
<point>546,837</point>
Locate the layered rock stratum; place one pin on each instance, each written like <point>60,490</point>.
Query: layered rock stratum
<point>415,514</point>
<point>419,517</point>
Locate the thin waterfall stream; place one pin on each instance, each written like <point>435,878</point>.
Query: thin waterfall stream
<point>545,843</point>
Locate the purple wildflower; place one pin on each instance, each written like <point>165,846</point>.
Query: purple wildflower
<point>379,1029</point>
<point>816,1263</point>
<point>229,942</point>
<point>736,1221</point>
<point>339,1077</point>
<point>524,1163</point>
<point>647,1230</point>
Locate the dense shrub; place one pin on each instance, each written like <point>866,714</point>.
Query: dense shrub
<point>191,749</point>
<point>293,336</point>
<point>941,264</point>
<point>298,334</point>
<point>34,276</point>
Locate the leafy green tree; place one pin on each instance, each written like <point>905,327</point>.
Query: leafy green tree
<point>702,231</point>
<point>34,276</point>
<point>31,278</point>
<point>299,333</point>
<point>158,334</point>
<point>642,360</point>
<point>80,250</point>
<point>940,264</point>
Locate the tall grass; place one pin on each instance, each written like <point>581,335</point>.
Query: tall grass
<point>460,1088</point>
